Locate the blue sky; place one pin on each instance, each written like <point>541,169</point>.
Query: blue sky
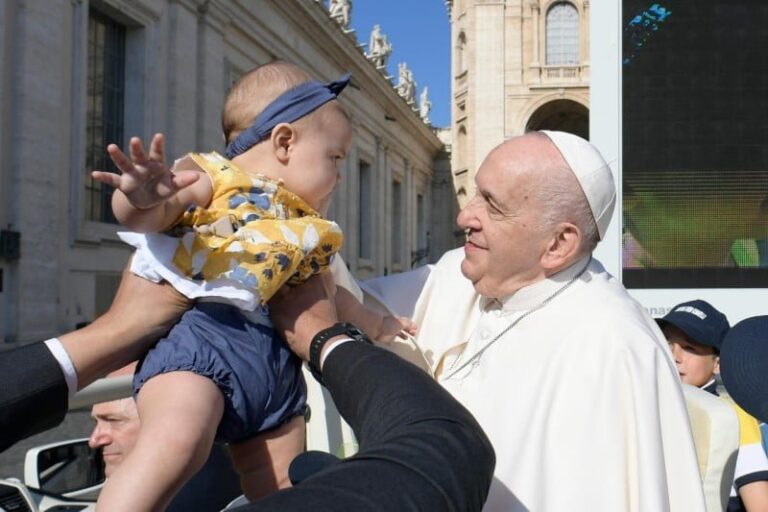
<point>419,31</point>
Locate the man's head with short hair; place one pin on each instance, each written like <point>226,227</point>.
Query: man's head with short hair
<point>117,427</point>
<point>534,213</point>
<point>304,153</point>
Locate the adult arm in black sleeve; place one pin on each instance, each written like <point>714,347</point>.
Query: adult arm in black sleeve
<point>420,450</point>
<point>33,390</point>
<point>33,393</point>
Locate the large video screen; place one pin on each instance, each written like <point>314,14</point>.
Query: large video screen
<point>695,144</point>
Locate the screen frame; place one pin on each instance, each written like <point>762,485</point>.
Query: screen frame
<point>605,128</point>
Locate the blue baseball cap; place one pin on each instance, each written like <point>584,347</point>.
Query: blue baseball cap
<point>744,365</point>
<point>700,321</point>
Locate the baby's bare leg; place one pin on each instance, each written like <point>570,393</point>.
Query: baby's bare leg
<point>262,461</point>
<point>179,413</point>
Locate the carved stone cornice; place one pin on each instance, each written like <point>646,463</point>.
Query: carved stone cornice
<point>214,14</point>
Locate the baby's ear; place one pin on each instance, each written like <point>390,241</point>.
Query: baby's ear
<point>282,138</point>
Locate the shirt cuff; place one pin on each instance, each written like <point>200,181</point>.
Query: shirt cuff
<point>68,369</point>
<point>330,349</point>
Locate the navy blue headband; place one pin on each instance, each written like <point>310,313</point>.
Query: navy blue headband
<point>290,106</point>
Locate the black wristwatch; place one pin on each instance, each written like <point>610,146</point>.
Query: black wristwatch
<point>321,338</point>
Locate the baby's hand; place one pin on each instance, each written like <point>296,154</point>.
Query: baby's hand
<point>145,180</point>
<point>396,327</point>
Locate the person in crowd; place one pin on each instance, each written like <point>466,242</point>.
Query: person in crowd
<point>743,360</point>
<point>695,331</point>
<point>548,351</point>
<point>116,426</point>
<point>242,227</point>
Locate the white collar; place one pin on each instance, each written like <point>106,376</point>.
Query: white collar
<point>529,296</point>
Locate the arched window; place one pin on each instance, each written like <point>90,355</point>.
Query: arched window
<point>461,48</point>
<point>562,35</point>
<point>461,146</point>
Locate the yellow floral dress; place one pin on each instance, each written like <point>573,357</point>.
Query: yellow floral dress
<point>254,233</point>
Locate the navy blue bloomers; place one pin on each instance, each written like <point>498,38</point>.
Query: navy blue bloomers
<point>258,375</point>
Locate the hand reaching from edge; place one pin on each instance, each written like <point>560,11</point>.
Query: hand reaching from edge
<point>393,326</point>
<point>144,179</point>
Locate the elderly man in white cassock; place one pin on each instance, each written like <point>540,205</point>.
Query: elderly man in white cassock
<point>566,373</point>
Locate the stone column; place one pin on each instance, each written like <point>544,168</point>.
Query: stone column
<point>8,48</point>
<point>352,200</point>
<point>183,78</point>
<point>377,171</point>
<point>211,85</point>
<point>584,41</point>
<point>409,211</point>
<point>384,262</point>
<point>38,96</point>
<point>428,224</point>
<point>340,207</point>
<point>487,81</point>
<point>535,10</point>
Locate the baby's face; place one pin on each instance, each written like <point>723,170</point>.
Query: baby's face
<point>314,163</point>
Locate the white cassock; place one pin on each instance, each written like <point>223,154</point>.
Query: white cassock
<point>581,399</point>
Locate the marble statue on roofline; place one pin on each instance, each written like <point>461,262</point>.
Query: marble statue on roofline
<point>424,105</point>
<point>379,48</point>
<point>406,85</point>
<point>340,11</point>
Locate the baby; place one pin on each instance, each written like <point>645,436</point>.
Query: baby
<point>242,227</point>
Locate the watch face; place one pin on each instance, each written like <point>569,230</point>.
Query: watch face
<point>356,333</point>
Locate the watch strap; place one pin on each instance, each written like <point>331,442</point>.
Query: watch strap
<point>322,337</point>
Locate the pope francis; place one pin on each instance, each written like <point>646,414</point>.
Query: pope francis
<point>567,374</point>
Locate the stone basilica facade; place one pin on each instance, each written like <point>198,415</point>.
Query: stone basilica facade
<point>518,65</point>
<point>79,74</point>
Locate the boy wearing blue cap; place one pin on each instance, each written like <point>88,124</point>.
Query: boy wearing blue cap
<point>242,227</point>
<point>695,331</point>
